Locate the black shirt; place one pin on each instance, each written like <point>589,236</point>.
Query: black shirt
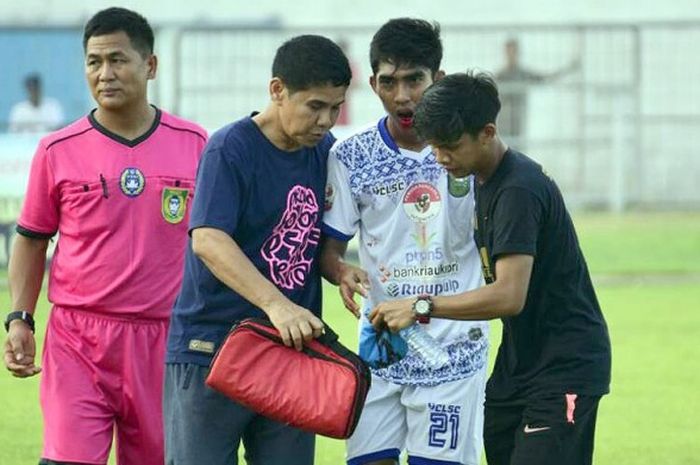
<point>559,342</point>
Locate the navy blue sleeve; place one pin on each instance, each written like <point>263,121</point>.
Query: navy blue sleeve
<point>516,220</point>
<point>220,190</point>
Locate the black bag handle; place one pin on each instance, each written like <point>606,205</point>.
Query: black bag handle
<point>327,337</point>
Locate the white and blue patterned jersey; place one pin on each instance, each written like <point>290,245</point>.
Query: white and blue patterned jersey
<point>415,237</point>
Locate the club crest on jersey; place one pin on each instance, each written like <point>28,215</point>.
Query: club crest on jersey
<point>132,182</point>
<point>475,333</point>
<point>458,187</point>
<point>174,203</point>
<point>422,202</point>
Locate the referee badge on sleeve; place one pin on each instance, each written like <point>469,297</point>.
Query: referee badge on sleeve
<point>174,204</point>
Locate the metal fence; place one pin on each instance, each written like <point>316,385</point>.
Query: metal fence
<point>618,130</point>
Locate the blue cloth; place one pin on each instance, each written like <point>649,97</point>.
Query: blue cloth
<point>381,348</point>
<point>271,203</point>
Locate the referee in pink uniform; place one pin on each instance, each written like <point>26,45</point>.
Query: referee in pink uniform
<point>116,186</point>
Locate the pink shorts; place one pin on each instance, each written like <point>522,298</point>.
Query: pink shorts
<point>101,372</point>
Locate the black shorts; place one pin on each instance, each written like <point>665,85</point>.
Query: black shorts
<point>554,430</point>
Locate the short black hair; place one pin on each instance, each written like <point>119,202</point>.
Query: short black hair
<point>512,42</point>
<point>309,60</point>
<point>32,80</point>
<point>456,104</point>
<point>117,19</point>
<point>407,42</point>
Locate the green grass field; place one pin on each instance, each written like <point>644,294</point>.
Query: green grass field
<point>647,270</point>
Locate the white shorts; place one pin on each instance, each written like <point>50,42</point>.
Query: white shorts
<point>442,423</point>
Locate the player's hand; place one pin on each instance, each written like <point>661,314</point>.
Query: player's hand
<point>20,350</point>
<point>395,315</point>
<point>295,324</point>
<point>352,280</point>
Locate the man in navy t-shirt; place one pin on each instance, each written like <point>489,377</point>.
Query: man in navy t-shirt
<point>553,364</point>
<point>255,231</point>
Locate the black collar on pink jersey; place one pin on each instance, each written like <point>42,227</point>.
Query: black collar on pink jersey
<point>123,140</point>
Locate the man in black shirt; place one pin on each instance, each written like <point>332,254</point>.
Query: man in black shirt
<point>553,364</point>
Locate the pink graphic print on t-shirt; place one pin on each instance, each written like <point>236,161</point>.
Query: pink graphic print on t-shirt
<point>286,249</point>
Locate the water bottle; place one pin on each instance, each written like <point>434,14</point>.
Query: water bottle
<point>425,345</point>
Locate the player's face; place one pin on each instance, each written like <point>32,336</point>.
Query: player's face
<point>400,89</point>
<point>116,72</point>
<point>308,115</point>
<point>174,205</point>
<point>463,157</point>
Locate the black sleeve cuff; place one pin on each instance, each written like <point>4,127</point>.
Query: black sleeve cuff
<point>33,234</point>
<point>515,248</point>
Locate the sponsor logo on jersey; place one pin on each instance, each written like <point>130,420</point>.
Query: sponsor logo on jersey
<point>458,187</point>
<point>422,202</point>
<point>330,197</point>
<point>174,204</point>
<point>132,182</point>
<point>422,237</point>
<point>423,256</point>
<point>394,289</point>
<point>425,271</point>
<point>389,188</point>
<point>401,273</point>
<point>444,408</point>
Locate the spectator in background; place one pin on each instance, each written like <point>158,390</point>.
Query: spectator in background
<point>514,80</point>
<point>37,113</point>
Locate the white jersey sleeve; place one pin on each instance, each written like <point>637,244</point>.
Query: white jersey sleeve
<point>342,216</point>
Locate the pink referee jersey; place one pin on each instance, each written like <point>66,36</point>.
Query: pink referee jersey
<point>121,210</point>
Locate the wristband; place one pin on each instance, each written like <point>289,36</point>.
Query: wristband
<point>19,315</point>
